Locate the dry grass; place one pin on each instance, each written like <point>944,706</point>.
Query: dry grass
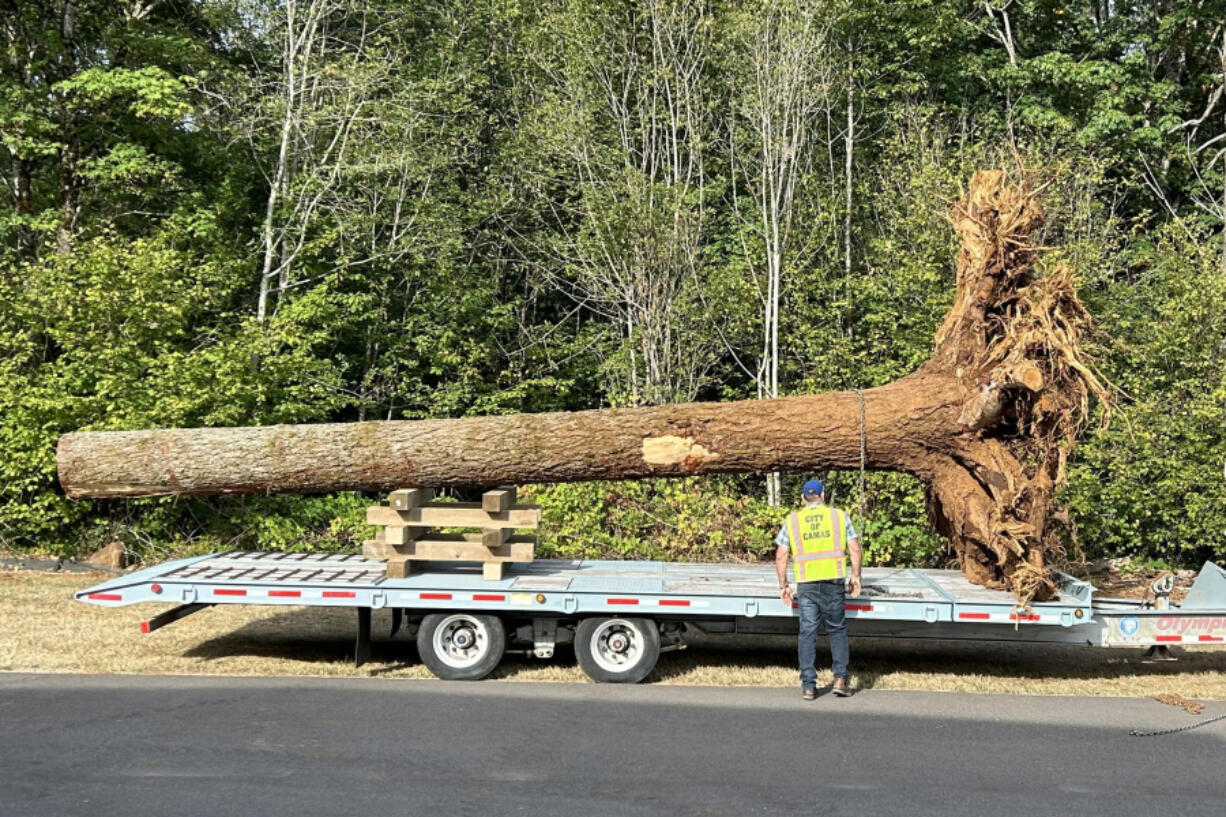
<point>46,631</point>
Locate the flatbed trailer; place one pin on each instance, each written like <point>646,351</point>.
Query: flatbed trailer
<point>620,615</point>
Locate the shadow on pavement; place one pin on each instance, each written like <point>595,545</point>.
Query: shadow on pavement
<point>327,636</point>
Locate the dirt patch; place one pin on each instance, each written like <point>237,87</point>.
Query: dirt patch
<point>46,630</point>
<point>1171,699</point>
<point>1122,579</point>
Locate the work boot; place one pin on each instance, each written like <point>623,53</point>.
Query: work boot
<point>841,690</point>
<point>808,694</point>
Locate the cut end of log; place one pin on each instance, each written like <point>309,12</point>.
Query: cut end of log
<point>1031,377</point>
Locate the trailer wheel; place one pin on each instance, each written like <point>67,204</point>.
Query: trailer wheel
<point>617,650</point>
<point>461,646</point>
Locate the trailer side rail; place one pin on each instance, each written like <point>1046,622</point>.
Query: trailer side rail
<point>897,603</point>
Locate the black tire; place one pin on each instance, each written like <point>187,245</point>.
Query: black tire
<point>461,646</point>
<point>617,650</point>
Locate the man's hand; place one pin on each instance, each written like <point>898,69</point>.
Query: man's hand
<point>853,587</point>
<point>785,594</point>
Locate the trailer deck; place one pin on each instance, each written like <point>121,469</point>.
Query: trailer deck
<point>568,587</point>
<point>548,599</point>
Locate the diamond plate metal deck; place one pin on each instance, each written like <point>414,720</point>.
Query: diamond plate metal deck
<point>264,567</point>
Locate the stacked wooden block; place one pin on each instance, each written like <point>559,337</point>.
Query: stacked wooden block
<point>407,531</point>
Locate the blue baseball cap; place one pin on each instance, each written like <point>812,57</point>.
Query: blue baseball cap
<point>813,487</point>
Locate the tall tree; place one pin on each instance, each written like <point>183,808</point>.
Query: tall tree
<point>785,90</point>
<point>320,89</point>
<point>94,94</point>
<point>630,77</point>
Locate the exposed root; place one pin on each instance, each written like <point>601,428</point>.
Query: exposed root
<point>1029,581</point>
<point>1015,339</point>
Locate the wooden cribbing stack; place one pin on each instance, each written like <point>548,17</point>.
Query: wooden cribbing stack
<point>409,519</point>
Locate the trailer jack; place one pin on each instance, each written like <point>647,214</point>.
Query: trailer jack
<point>171,616</point>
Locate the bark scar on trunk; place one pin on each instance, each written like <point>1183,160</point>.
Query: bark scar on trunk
<point>673,450</point>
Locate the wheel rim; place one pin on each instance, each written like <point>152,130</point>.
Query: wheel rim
<point>461,641</point>
<point>617,645</point>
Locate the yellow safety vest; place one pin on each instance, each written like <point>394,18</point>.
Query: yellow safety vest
<point>818,536</point>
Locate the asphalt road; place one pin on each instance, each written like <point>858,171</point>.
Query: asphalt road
<point>162,746</point>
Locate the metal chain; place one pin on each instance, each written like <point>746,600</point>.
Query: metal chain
<point>1135,734</point>
<point>863,456</point>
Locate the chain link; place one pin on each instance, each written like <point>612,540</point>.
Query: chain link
<point>863,457</point>
<point>1135,734</point>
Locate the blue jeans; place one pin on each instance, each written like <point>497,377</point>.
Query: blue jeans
<point>818,602</point>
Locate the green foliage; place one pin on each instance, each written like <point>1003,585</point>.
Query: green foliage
<point>475,216</point>
<point>148,91</point>
<point>1152,484</point>
<point>691,519</point>
<point>167,527</point>
<point>722,518</point>
<point>894,527</point>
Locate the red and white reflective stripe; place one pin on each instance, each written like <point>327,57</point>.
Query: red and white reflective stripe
<point>286,594</point>
<point>859,608</point>
<point>1210,638</point>
<point>626,601</point>
<point>1012,618</point>
<point>1191,639</point>
<point>105,597</point>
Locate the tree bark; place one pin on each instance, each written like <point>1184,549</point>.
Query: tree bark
<point>811,431</point>
<point>986,423</point>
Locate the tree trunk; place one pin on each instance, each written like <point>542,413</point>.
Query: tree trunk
<point>22,206</point>
<point>810,431</point>
<point>70,183</point>
<point>986,423</point>
<point>70,191</point>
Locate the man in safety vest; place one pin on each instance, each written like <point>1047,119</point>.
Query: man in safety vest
<point>819,538</point>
